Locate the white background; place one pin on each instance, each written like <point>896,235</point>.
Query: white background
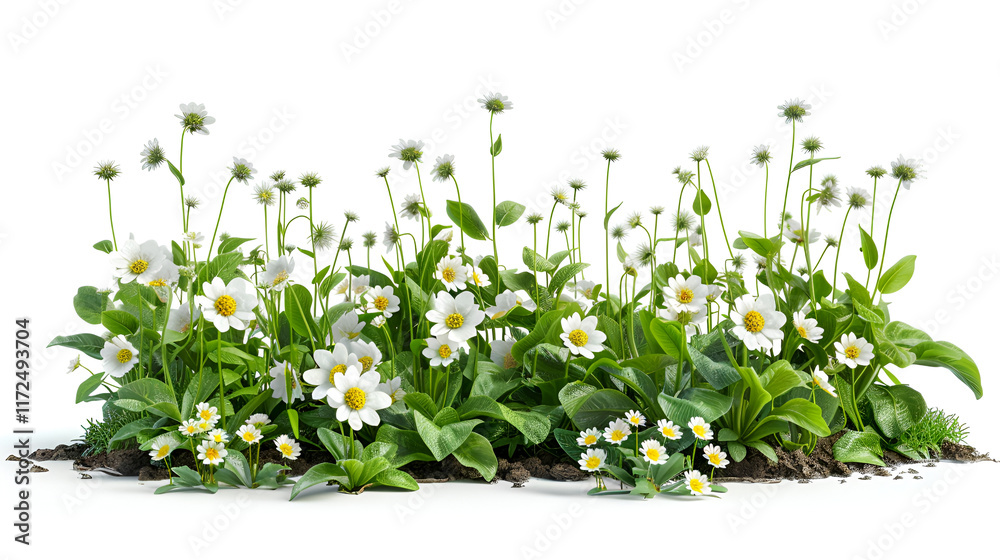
<point>309,86</point>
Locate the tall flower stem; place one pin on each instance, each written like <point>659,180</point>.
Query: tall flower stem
<point>114,240</point>
<point>312,245</point>
<point>267,243</point>
<point>180,169</point>
<point>718,208</point>
<point>534,263</point>
<point>493,173</point>
<point>461,214</point>
<point>420,182</point>
<point>788,182</point>
<point>885,243</point>
<point>767,173</point>
<point>607,237</point>
<point>548,233</point>
<point>836,263</point>
<point>872,232</point>
<point>219,219</point>
<point>677,224</point>
<point>704,231</point>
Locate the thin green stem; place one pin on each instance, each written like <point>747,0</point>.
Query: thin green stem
<point>219,219</point>
<point>885,243</point>
<point>114,240</point>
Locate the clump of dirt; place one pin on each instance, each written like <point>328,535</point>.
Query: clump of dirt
<point>794,465</point>
<point>124,462</point>
<point>959,452</point>
<point>61,452</point>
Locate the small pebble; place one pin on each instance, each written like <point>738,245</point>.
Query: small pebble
<point>912,471</point>
<point>804,481</point>
<point>843,481</point>
<point>897,477</point>
<point>918,477</point>
<point>36,468</point>
<point>866,477</point>
<point>85,476</point>
<point>930,465</point>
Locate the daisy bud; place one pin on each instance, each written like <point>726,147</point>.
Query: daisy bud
<point>496,103</point>
<point>611,155</point>
<point>310,180</point>
<point>107,170</point>
<point>811,145</point>
<point>302,203</point>
<point>534,218</point>
<point>700,153</point>
<point>875,171</point>
<point>284,185</point>
<point>152,155</point>
<point>383,172</point>
<point>242,170</point>
<point>278,176</point>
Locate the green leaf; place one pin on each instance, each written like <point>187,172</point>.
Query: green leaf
<point>779,378</point>
<point>897,276</point>
<point>232,243</point>
<point>536,262</point>
<point>765,450</point>
<point>89,344</point>
<point>564,274</point>
<point>466,218</point>
<point>804,414</point>
<point>670,336</point>
<point>607,217</point>
<point>396,479</point>
<point>896,409</point>
<point>119,322</point>
<point>760,245</point>
<point>702,204</point>
<point>104,246</point>
<point>237,464</point>
<point>708,404</point>
<point>869,249</point>
<point>443,441</point>
<point>339,445</point>
<point>422,403</point>
<point>476,452</point>
<point>497,146</point>
<point>533,425</point>
<point>319,474</point>
<point>858,447</point>
<point>176,173</point>
<point>588,408</point>
<point>298,311</point>
<point>89,304</point>
<point>543,331</point>
<point>508,212</point>
<point>904,335</point>
<point>151,394</point>
<point>808,162</point>
<point>89,385</point>
<point>947,355</point>
<point>720,373</point>
<point>135,427</point>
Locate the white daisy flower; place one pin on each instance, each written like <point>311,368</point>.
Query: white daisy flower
<point>821,380</point>
<point>697,483</point>
<point>194,118</point>
<point>689,320</point>
<point>700,428</point>
<point>581,336</point>
<point>218,435</point>
<point>135,262</point>
<point>578,293</point>
<point>714,291</point>
<point>393,388</point>
<point>653,452</point>
<point>500,353</point>
<point>193,237</point>
<point>161,448</point>
<point>189,427</point>
<point>854,351</point>
<point>795,232</point>
<point>288,447</point>
<point>152,155</point>
<point>617,432</point>
<point>168,275</point>
<point>353,288</point>
<point>635,418</point>
<point>347,327</point>
<point>808,329</point>
<point>758,324</point>
<point>507,301</point>
<point>907,170</point>
<point>715,456</point>
<point>668,430</point>
<point>794,110</point>
<point>475,276</point>
<point>119,356</point>
<point>593,459</point>
<point>212,453</point>
<point>441,351</point>
<point>495,103</point>
<point>455,316</point>
<point>278,272</point>
<point>686,294</point>
<point>378,321</point>
<point>408,151</point>
<point>74,364</point>
<point>390,237</point>
<point>382,300</point>
<point>228,305</point>
<point>411,206</point>
<point>357,398</point>
<point>451,273</point>
<point>207,413</point>
<point>444,168</point>
<point>260,420</point>
<point>249,434</point>
<point>368,354</point>
<point>204,425</point>
<point>589,437</point>
<point>283,373</point>
<point>329,364</point>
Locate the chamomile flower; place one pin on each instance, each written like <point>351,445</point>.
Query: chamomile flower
<point>390,237</point>
<point>408,151</point>
<point>444,168</point>
<point>589,437</point>
<point>212,453</point>
<point>260,420</point>
<point>829,197</point>
<point>581,336</point>
<point>496,103</point>
<point>168,275</point>
<point>686,294</point>
<point>119,356</point>
<point>854,351</point>
<point>635,418</point>
<point>442,351</point>
<point>218,435</point>
<point>668,430</point>
<point>456,316</point>
<point>283,375</point>
<point>249,434</point>
<point>382,300</point>
<point>180,318</point>
<point>857,198</point>
<point>794,110</point>
<point>715,456</point>
<point>287,447</point>
<point>822,380</point>
<point>412,204</point>
<point>152,155</point>
<point>475,276</point>
<point>451,272</point>
<point>500,353</point>
<point>74,364</point>
<point>592,460</point>
<point>907,170</point>
<point>190,427</point>
<point>347,327</point>
<point>357,398</point>
<point>796,233</point>
<point>242,170</point>
<point>393,388</point>
<point>207,412</point>
<point>263,194</point>
<point>278,272</point>
<point>807,328</point>
<point>228,305</point>
<point>162,448</point>
<point>194,118</point>
<point>329,364</point>
<point>653,452</point>
<point>758,323</point>
<point>135,262</point>
<point>368,354</point>
<point>507,301</point>
<point>204,425</point>
<point>761,155</point>
<point>700,428</point>
<point>617,432</point>
<point>697,483</point>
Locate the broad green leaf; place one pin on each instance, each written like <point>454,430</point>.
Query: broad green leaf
<point>779,378</point>
<point>497,146</point>
<point>536,262</point>
<point>476,452</point>
<point>508,212</point>
<point>151,394</point>
<point>119,322</point>
<point>812,161</point>
<point>896,409</point>
<point>804,414</point>
<point>298,311</point>
<point>90,304</point>
<point>702,204</point>
<point>858,447</point>
<point>564,275</point>
<point>708,404</point>
<point>869,249</point>
<point>596,408</point>
<point>760,245</point>
<point>670,336</point>
<point>319,474</point>
<point>104,246</point>
<point>396,479</point>
<point>465,217</point>
<point>89,344</point>
<point>176,173</point>
<point>897,276</point>
<point>947,355</point>
<point>533,425</point>
<point>89,385</point>
<point>443,441</point>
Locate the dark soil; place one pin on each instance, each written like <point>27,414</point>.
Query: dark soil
<point>62,452</point>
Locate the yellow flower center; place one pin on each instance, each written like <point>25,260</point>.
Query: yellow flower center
<point>205,414</point>
<point>686,295</point>
<point>593,462</point>
<point>138,266</point>
<point>591,439</point>
<point>699,431</point>
<point>668,432</point>
<point>381,303</point>
<point>852,352</point>
<point>217,438</point>
<point>475,278</point>
<point>225,305</point>
<point>158,282</point>
<point>509,362</point>
<point>192,429</point>
<point>444,351</point>
<point>355,398</point>
<point>802,332</point>
<point>163,452</point>
<point>249,436</point>
<point>714,458</point>
<point>211,454</point>
<point>696,485</point>
<point>618,435</point>
<point>124,355</point>
<point>653,454</point>
<point>454,321</point>
<point>286,449</point>
<point>578,337</point>
<point>448,274</point>
<point>339,368</point>
<point>635,420</point>
<point>280,277</point>
<point>366,363</point>
<point>753,322</point>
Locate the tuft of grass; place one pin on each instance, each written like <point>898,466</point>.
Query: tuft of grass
<point>933,429</point>
<point>97,434</point>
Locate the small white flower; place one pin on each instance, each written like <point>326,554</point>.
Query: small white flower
<point>668,430</point>
<point>408,151</point>
<point>691,321</point>
<point>635,418</point>
<point>617,432</point>
<point>411,206</point>
<point>808,329</point>
<point>228,305</point>
<point>382,300</point>
<point>283,373</point>
<point>795,232</point>
<point>212,453</point>
<point>119,356</point>
<point>697,483</point>
<point>189,427</point>
<point>593,459</point>
<point>329,364</point>
<point>907,170</point>
<point>700,428</point>
<point>249,434</point>
<point>758,323</point>
<point>357,398</point>
<point>194,118</point>
<point>715,456</point>
<point>207,413</point>
<point>347,327</point>
<point>168,275</point>
<point>444,168</point>
<point>260,420</point>
<point>581,336</point>
<point>494,102</point>
<point>653,452</point>
<point>135,262</point>
<point>353,288</point>
<point>378,321</point>
<point>193,237</point>
<point>686,294</point>
<point>161,448</point>
<point>501,355</point>
<point>854,351</point>
<point>288,447</point>
<point>368,354</point>
<point>455,316</point>
<point>390,237</point>
<point>218,435</point>
<point>442,350</point>
<point>507,301</point>
<point>278,272</point>
<point>393,388</point>
<point>74,364</point>
<point>821,380</point>
<point>451,273</point>
<point>475,276</point>
<point>589,437</point>
<point>794,110</point>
